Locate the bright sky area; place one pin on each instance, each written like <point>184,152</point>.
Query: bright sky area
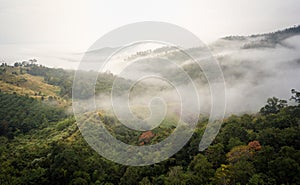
<point>53,30</point>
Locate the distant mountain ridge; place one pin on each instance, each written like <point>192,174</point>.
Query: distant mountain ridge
<point>287,31</point>
<point>266,39</point>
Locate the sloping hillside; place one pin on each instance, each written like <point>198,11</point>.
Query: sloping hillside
<point>17,80</point>
<point>266,40</point>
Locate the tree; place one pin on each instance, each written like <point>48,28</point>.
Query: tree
<point>234,141</point>
<point>295,96</point>
<point>232,129</point>
<point>239,153</point>
<point>145,181</point>
<point>274,105</point>
<point>79,181</point>
<point>215,154</point>
<point>24,63</point>
<point>175,176</point>
<point>287,151</point>
<point>222,175</point>
<point>201,168</point>
<point>254,145</point>
<point>242,171</point>
<point>33,61</point>
<point>17,64</point>
<point>261,179</point>
<point>285,170</point>
<point>131,176</point>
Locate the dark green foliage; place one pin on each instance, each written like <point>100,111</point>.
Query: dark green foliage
<point>216,154</point>
<point>261,179</point>
<point>43,149</point>
<point>285,170</point>
<point>22,114</point>
<point>85,80</point>
<point>242,171</point>
<point>232,130</point>
<point>201,169</point>
<point>274,106</point>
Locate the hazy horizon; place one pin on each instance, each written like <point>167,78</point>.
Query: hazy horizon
<point>55,32</point>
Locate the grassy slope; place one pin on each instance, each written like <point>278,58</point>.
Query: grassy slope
<point>26,84</point>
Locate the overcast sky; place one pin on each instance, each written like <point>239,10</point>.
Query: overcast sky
<point>53,29</point>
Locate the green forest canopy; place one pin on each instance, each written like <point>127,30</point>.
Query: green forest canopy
<point>48,149</point>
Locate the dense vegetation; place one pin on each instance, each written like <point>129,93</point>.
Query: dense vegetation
<point>20,114</point>
<point>250,149</point>
<point>57,77</point>
<point>15,76</point>
<point>41,144</point>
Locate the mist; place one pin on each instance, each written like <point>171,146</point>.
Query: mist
<point>253,75</point>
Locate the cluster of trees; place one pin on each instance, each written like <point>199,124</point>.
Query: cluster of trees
<point>270,39</point>
<point>64,79</point>
<point>295,96</point>
<point>52,76</point>
<point>20,114</point>
<point>30,62</point>
<point>57,77</point>
<point>250,149</point>
<point>272,36</point>
<point>139,54</point>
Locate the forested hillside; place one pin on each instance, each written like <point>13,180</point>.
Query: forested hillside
<point>46,147</point>
<point>149,92</point>
<point>40,82</point>
<point>41,142</point>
